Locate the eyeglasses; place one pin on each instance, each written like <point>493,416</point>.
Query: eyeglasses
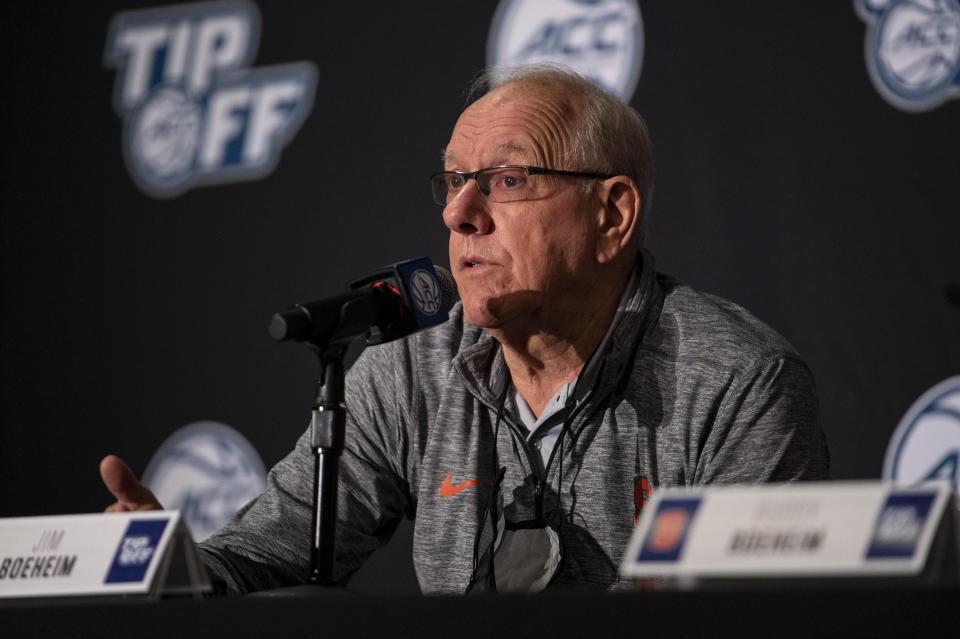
<point>501,183</point>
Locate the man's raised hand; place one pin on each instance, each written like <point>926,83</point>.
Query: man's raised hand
<point>123,484</point>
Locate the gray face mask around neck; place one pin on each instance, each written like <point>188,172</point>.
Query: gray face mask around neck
<point>526,557</point>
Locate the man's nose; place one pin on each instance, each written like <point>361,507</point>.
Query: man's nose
<point>468,212</point>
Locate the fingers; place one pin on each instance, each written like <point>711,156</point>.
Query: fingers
<point>127,507</point>
<point>124,485</point>
<point>118,478</point>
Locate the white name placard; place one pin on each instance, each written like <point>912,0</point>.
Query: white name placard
<point>788,530</point>
<point>98,554</point>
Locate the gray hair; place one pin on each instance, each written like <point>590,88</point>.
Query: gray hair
<point>609,136</point>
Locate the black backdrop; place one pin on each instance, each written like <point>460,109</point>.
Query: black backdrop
<point>784,182</point>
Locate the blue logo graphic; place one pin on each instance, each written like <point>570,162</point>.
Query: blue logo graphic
<point>207,471</point>
<point>926,443</point>
<point>425,292</point>
<point>912,49</point>
<point>601,39</point>
<point>194,112</point>
<point>136,549</point>
<point>667,534</point>
<point>898,527</point>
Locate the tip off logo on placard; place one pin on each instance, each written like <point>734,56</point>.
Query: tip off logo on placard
<point>136,549</point>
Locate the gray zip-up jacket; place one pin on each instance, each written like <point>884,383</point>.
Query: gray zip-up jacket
<point>686,388</point>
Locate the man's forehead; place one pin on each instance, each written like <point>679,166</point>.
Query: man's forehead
<point>501,150</point>
<point>509,125</point>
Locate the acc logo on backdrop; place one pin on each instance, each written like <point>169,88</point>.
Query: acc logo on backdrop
<point>207,471</point>
<point>926,444</point>
<point>194,112</point>
<point>912,48</point>
<point>601,39</point>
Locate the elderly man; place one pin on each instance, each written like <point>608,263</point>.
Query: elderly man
<point>525,434</point>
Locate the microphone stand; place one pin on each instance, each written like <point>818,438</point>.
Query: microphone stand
<point>373,308</point>
<point>328,422</point>
<point>327,426</point>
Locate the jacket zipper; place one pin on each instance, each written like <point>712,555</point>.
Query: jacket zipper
<point>541,477</point>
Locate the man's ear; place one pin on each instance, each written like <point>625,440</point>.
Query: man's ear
<point>619,217</point>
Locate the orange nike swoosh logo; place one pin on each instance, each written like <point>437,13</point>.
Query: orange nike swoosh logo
<point>449,490</point>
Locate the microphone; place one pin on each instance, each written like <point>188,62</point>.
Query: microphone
<point>384,305</point>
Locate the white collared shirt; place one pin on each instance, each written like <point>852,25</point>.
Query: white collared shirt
<point>544,431</point>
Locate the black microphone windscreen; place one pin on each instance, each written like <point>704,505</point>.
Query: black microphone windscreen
<point>448,287</point>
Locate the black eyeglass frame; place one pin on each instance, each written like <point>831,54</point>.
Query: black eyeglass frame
<point>531,170</point>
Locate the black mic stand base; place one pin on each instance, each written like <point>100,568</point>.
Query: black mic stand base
<point>303,591</point>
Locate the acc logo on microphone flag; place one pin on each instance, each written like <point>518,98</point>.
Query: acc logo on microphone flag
<point>601,39</point>
<point>425,292</point>
<point>194,112</point>
<point>912,50</point>
<point>926,444</point>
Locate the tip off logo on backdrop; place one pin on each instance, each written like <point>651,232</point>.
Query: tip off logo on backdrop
<point>601,39</point>
<point>912,49</point>
<point>194,111</point>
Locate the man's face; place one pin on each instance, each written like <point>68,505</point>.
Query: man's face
<point>521,263</point>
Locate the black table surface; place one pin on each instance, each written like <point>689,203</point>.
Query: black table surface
<point>735,611</point>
